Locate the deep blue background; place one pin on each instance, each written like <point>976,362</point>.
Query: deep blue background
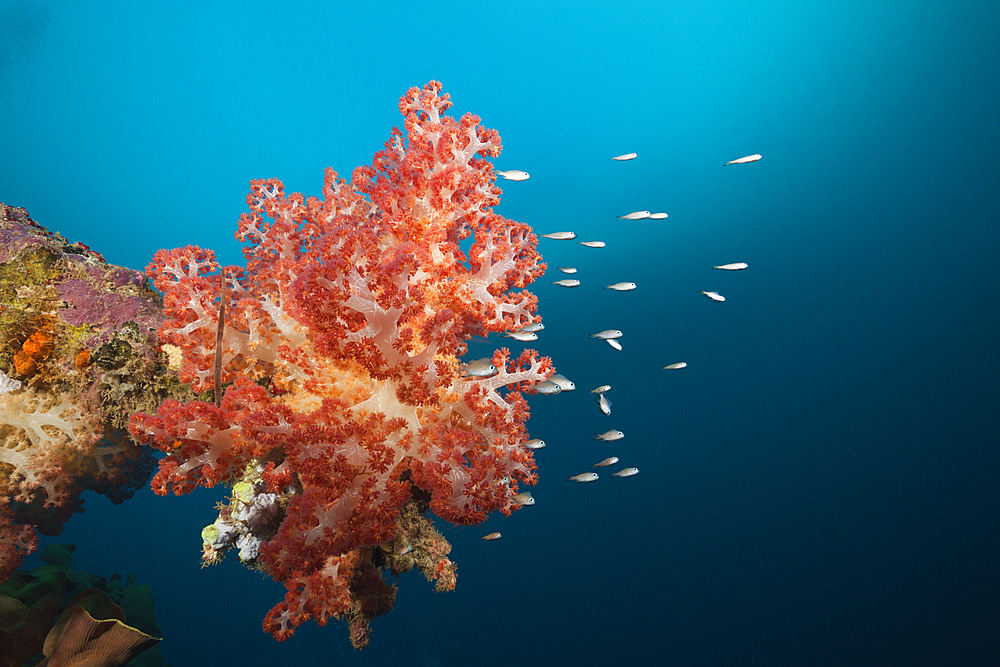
<point>818,487</point>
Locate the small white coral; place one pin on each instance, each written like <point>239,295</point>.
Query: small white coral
<point>7,384</point>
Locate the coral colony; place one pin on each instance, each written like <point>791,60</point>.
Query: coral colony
<point>77,357</point>
<point>341,415</point>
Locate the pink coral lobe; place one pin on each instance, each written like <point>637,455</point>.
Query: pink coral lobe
<point>17,540</point>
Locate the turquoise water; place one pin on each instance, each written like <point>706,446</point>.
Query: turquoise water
<point>818,487</point>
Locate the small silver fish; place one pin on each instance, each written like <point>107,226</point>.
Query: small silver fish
<point>635,215</point>
<point>736,266</point>
<point>714,296</point>
<point>627,156</point>
<point>568,282</point>
<point>610,461</point>
<point>593,244</point>
<point>531,328</point>
<point>523,498</point>
<point>491,537</point>
<point>607,333</point>
<point>679,364</point>
<point>657,216</point>
<point>600,390</point>
<point>480,368</point>
<point>566,269</point>
<point>621,287</point>
<point>534,443</point>
<point>524,337</point>
<point>513,175</point>
<point>609,436</point>
<point>584,477</point>
<point>614,343</point>
<point>405,550</point>
<point>744,160</point>
<point>627,472</point>
<point>564,382</point>
<point>547,387</point>
<point>604,404</point>
<point>560,236</point>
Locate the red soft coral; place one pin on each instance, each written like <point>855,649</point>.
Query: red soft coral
<point>353,312</point>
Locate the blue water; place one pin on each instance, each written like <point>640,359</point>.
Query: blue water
<point>818,487</point>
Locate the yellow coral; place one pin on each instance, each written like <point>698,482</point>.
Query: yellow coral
<point>175,356</point>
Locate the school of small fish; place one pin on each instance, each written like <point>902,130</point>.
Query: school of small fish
<point>557,383</point>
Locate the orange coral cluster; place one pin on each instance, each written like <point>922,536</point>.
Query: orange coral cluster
<point>82,360</point>
<point>34,350</point>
